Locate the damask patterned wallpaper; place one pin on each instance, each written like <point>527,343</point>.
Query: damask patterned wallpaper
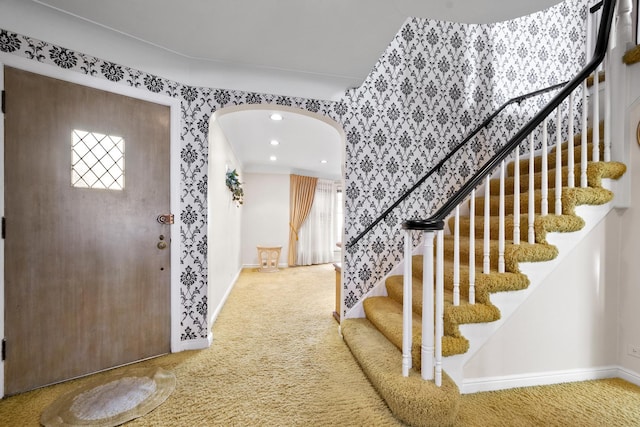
<point>434,82</point>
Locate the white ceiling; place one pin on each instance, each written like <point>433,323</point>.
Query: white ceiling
<point>303,142</point>
<point>328,38</point>
<point>334,43</point>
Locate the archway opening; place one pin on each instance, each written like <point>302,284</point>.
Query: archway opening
<point>265,152</point>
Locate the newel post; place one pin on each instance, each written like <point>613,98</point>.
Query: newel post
<point>432,299</point>
<point>427,351</point>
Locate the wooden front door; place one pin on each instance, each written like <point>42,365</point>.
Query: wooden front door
<point>87,263</point>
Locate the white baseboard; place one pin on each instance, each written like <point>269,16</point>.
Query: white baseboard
<point>202,343</point>
<point>547,378</point>
<point>630,376</point>
<point>216,312</point>
<point>280,265</point>
<point>197,344</point>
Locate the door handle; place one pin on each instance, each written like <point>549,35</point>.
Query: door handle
<point>165,219</point>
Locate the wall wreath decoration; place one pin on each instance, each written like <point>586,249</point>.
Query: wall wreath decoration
<point>235,186</point>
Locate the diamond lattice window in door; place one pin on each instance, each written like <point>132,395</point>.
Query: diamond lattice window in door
<point>97,160</point>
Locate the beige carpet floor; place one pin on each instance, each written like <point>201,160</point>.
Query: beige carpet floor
<point>277,360</point>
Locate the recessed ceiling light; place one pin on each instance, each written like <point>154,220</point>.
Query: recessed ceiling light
<point>276,116</point>
<point>275,142</point>
<point>273,158</point>
<point>323,161</point>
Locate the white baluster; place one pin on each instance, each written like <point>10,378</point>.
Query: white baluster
<point>544,186</point>
<point>407,309</point>
<point>501,222</point>
<point>428,348</point>
<point>439,305</point>
<point>584,140</point>
<point>607,106</point>
<point>595,122</point>
<point>472,248</point>
<point>516,198</point>
<point>570,155</point>
<point>486,260</point>
<point>558,192</point>
<point>531,215</point>
<point>456,258</point>
<point>590,42</point>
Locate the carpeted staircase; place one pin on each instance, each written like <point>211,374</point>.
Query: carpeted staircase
<point>376,341</point>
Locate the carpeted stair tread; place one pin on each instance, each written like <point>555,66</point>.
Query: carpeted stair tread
<point>513,254</point>
<point>595,172</point>
<point>381,309</point>
<point>481,311</point>
<point>524,181</point>
<point>537,179</point>
<point>541,226</point>
<point>551,159</point>
<point>484,283</point>
<point>471,313</point>
<point>464,250</point>
<point>571,197</point>
<point>395,288</point>
<point>386,315</point>
<point>411,399</point>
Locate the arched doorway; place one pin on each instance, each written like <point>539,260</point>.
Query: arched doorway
<point>264,152</point>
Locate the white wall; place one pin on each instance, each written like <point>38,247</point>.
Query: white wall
<point>265,220</point>
<point>224,222</point>
<point>568,323</point>
<point>626,233</point>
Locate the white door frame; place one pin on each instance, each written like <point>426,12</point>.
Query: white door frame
<point>106,85</point>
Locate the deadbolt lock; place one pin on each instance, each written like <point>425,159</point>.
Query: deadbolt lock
<point>162,245</point>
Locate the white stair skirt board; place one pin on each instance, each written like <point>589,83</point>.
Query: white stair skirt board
<point>479,334</point>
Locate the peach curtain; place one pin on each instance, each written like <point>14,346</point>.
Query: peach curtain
<point>301,191</point>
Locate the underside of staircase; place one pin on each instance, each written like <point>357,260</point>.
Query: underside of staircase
<point>376,341</point>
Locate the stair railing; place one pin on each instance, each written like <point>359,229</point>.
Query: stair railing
<point>537,200</point>
<point>428,268</point>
